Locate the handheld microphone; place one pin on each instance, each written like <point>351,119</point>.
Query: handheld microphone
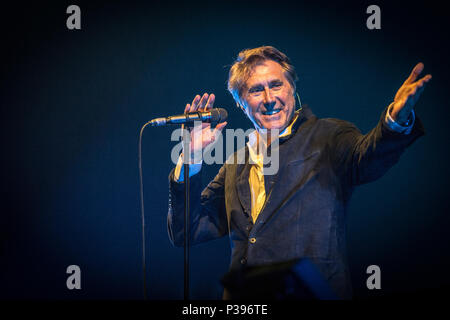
<point>215,115</point>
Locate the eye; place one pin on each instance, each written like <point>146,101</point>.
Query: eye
<point>276,85</point>
<point>256,90</point>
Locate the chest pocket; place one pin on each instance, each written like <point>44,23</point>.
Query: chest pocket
<point>299,171</point>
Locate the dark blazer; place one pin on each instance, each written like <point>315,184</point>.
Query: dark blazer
<point>305,210</point>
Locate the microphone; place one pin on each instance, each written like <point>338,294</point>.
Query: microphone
<point>215,115</point>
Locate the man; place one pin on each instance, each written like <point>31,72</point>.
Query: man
<point>299,211</point>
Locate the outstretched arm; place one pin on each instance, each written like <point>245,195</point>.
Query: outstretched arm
<point>364,158</point>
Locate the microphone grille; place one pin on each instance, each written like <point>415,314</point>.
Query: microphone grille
<point>218,115</point>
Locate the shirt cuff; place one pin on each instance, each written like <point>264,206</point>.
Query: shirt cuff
<point>395,126</point>
<point>179,169</point>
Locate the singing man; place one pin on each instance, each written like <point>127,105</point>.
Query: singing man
<point>299,212</point>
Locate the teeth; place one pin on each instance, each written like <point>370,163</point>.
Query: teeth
<point>269,113</point>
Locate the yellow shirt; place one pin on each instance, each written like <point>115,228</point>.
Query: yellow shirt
<point>256,176</point>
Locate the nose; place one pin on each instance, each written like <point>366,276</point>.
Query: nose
<point>270,105</point>
<point>269,101</point>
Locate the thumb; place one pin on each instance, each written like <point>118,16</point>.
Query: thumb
<point>219,127</point>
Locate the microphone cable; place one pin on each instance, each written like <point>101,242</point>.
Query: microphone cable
<point>141,187</point>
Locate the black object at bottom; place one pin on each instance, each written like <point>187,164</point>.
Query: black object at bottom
<point>297,279</point>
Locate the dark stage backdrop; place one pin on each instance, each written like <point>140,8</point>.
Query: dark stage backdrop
<point>73,102</point>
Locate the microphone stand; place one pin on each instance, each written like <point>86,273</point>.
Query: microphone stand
<point>186,218</point>
<point>215,115</point>
<point>186,231</point>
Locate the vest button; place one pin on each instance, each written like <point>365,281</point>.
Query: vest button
<point>252,240</point>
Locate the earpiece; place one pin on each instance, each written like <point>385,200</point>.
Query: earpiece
<point>299,101</point>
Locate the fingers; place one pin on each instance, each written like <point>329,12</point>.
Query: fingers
<point>415,73</point>
<point>210,102</point>
<point>218,129</point>
<point>194,105</point>
<point>201,103</point>
<point>415,90</point>
<point>421,82</point>
<point>419,85</point>
<point>417,70</point>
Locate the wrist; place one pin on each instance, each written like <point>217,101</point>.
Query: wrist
<point>393,125</point>
<point>401,118</point>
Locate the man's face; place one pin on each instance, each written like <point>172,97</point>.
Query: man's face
<point>268,97</point>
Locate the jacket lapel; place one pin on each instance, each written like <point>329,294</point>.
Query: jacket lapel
<point>275,186</point>
<point>242,186</point>
<point>243,172</point>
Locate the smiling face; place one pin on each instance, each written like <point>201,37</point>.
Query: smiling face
<point>268,97</point>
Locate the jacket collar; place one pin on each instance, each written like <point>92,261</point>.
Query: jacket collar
<point>303,114</point>
<point>300,116</point>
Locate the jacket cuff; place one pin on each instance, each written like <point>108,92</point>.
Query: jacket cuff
<point>395,126</point>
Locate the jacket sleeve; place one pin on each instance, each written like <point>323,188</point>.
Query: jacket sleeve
<point>208,218</point>
<point>362,158</point>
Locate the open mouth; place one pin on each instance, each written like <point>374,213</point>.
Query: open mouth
<point>271,112</point>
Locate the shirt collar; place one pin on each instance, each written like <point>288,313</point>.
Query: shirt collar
<point>252,144</point>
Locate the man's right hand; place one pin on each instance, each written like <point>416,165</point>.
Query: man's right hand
<point>202,136</point>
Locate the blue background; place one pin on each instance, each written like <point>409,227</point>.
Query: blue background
<point>73,102</point>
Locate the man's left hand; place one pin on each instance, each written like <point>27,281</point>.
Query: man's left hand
<point>408,94</point>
